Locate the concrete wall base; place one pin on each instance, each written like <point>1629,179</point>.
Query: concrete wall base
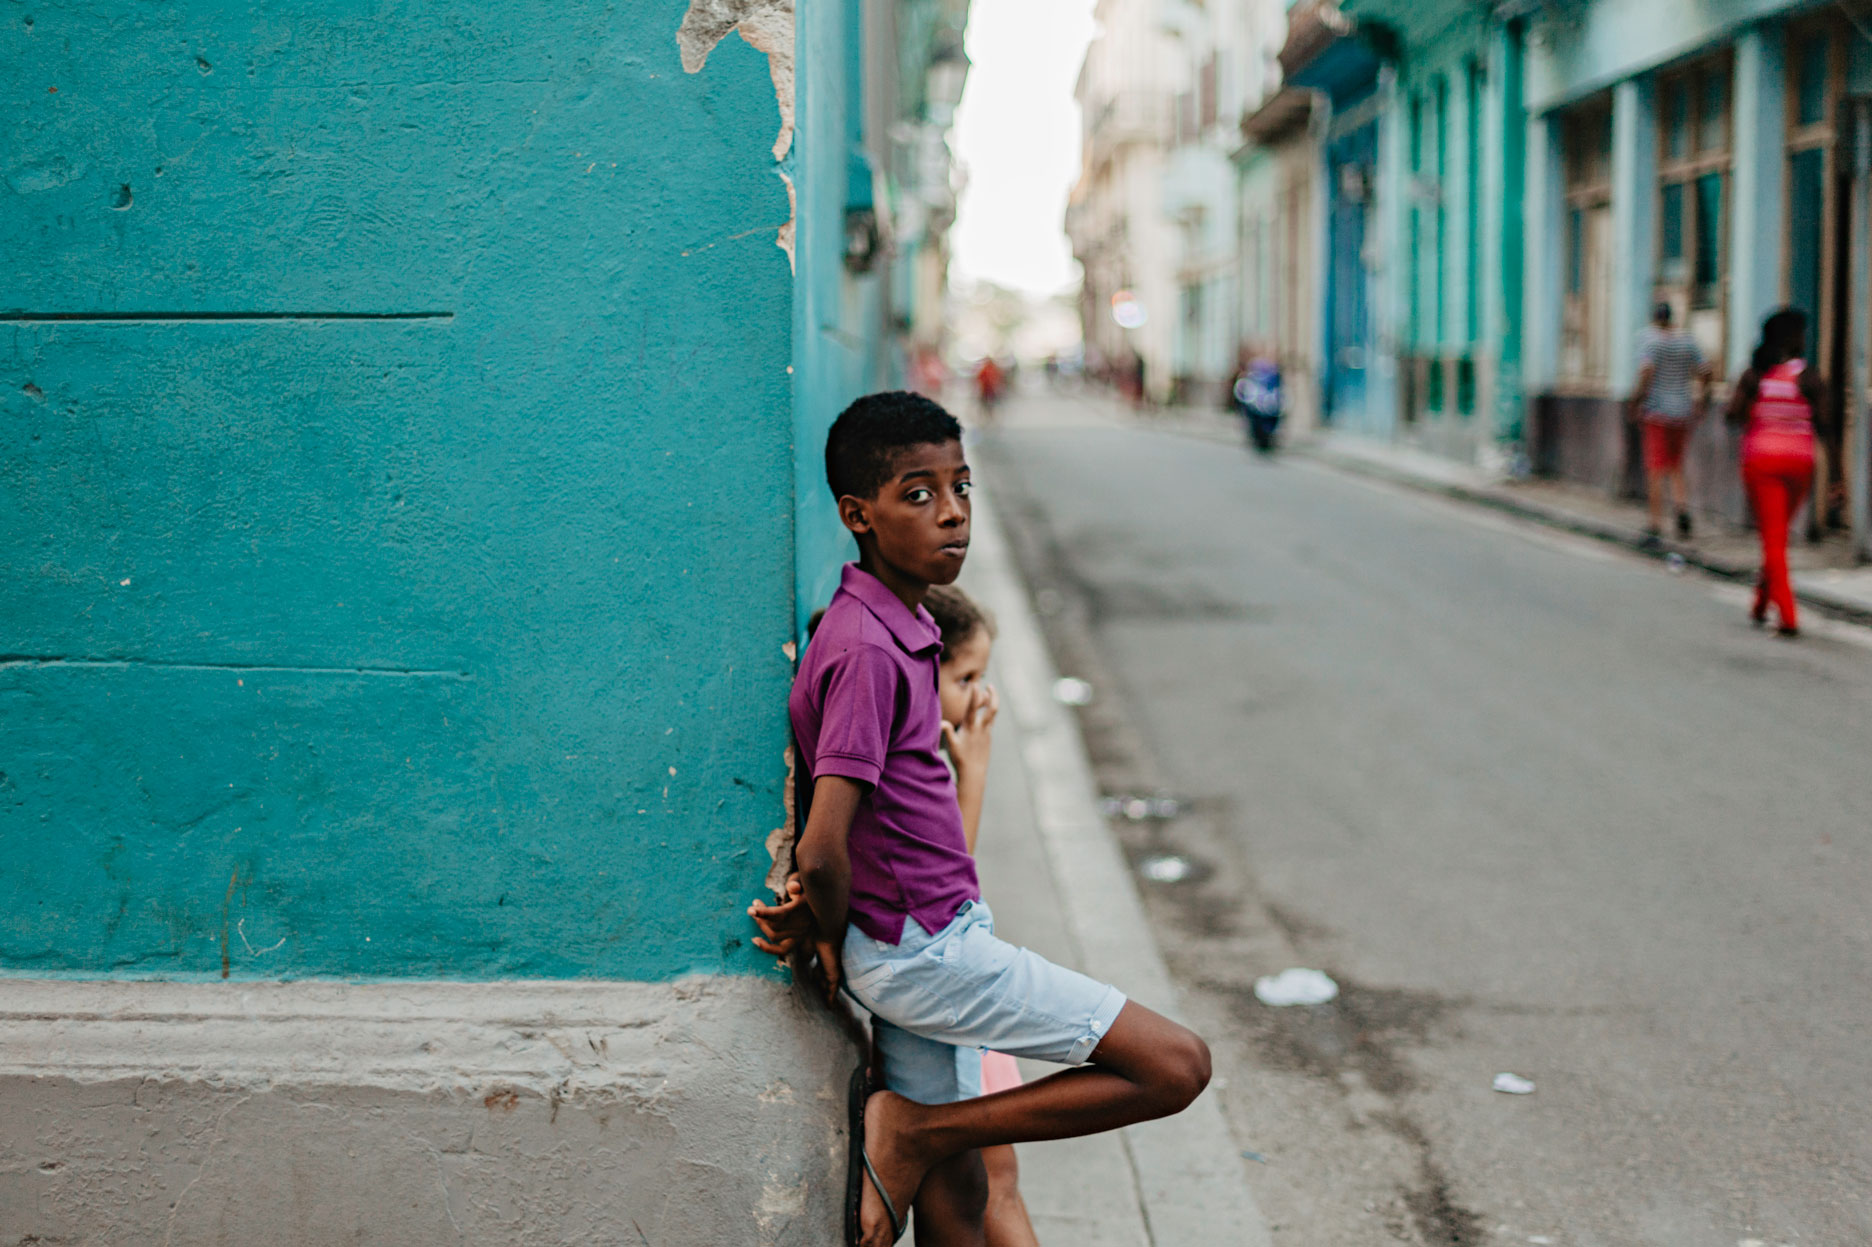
<point>1589,440</point>
<point>706,1111</point>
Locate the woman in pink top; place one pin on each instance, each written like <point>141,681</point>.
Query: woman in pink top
<point>1782,401</point>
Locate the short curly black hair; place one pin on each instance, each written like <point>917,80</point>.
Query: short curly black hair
<point>866,438</point>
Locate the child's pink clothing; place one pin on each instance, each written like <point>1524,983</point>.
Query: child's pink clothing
<point>1000,1072</point>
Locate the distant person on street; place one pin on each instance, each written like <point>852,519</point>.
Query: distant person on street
<point>886,895</point>
<point>1257,397</point>
<point>1671,398</point>
<point>990,381</point>
<point>927,374</point>
<point>1781,402</point>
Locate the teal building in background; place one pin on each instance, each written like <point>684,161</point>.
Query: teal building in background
<point>1514,187</point>
<point>411,502</point>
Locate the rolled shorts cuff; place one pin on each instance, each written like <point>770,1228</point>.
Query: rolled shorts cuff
<point>1101,1021</point>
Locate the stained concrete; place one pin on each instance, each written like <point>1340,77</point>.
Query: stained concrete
<point>416,1114</point>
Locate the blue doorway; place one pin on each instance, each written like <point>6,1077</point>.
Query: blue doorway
<point>1351,168</point>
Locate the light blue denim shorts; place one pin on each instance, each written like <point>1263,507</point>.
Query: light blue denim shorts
<point>938,1000</point>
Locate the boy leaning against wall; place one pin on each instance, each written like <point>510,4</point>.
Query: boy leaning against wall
<point>886,895</point>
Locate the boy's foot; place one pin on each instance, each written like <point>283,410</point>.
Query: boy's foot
<point>886,1122</point>
<point>1683,525</point>
<point>1653,540</point>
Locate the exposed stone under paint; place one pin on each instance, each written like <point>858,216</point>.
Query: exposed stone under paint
<point>767,26</point>
<point>513,1112</point>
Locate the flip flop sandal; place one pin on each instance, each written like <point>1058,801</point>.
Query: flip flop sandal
<point>858,1167</point>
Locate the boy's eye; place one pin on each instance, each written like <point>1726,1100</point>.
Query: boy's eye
<point>917,495</point>
<point>964,488</point>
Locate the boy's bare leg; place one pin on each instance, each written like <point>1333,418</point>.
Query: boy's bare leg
<point>951,1208</point>
<point>1006,1223</point>
<point>1146,1067</point>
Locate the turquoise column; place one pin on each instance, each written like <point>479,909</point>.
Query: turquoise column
<point>1758,193</point>
<point>1504,193</point>
<point>1544,214</point>
<point>1634,217</point>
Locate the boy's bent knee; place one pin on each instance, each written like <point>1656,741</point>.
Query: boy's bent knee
<point>1184,1070</point>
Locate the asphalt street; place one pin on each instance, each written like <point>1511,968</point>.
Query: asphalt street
<point>1538,807</point>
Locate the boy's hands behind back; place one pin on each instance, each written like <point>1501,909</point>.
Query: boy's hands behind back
<point>789,925</point>
<point>786,923</point>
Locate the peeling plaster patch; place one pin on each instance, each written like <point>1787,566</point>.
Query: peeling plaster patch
<point>780,839</point>
<point>785,238</point>
<point>766,25</point>
<point>240,929</point>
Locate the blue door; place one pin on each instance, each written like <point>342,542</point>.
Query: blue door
<point>1351,167</point>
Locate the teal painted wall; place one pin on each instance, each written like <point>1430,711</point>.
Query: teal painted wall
<point>440,647</point>
<point>838,316</point>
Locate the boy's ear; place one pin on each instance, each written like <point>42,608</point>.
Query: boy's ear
<point>854,513</point>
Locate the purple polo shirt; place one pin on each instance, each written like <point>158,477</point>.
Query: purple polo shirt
<point>864,706</point>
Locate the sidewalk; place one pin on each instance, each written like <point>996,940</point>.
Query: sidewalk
<point>1058,883</point>
<point>1825,578</point>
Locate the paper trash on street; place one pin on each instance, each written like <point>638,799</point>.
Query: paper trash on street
<point>1295,987</point>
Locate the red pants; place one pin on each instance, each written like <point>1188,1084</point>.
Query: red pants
<point>1664,442</point>
<point>1777,485</point>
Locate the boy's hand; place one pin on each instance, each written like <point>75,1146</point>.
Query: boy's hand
<point>831,967</point>
<point>789,925</point>
<point>785,924</point>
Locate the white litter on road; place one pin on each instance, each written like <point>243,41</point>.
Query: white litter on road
<point>1137,809</point>
<point>1513,1084</point>
<point>1165,868</point>
<point>1072,691</point>
<point>1295,987</point>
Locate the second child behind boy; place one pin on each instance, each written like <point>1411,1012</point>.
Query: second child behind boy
<point>887,894</point>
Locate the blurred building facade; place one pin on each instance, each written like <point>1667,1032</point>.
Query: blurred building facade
<point>1116,219</point>
<point>413,508</point>
<point>1157,219</point>
<point>1451,219</point>
<point>1712,157</point>
<point>1546,174</point>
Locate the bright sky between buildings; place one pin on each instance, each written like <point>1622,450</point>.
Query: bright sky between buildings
<point>1017,137</point>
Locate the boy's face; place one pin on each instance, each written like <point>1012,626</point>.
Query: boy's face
<point>919,520</point>
<point>961,679</point>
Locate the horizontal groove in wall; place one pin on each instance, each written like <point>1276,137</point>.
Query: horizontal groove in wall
<point>33,317</point>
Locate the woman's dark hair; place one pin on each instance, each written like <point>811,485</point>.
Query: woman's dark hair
<point>957,616</point>
<point>1783,337</point>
